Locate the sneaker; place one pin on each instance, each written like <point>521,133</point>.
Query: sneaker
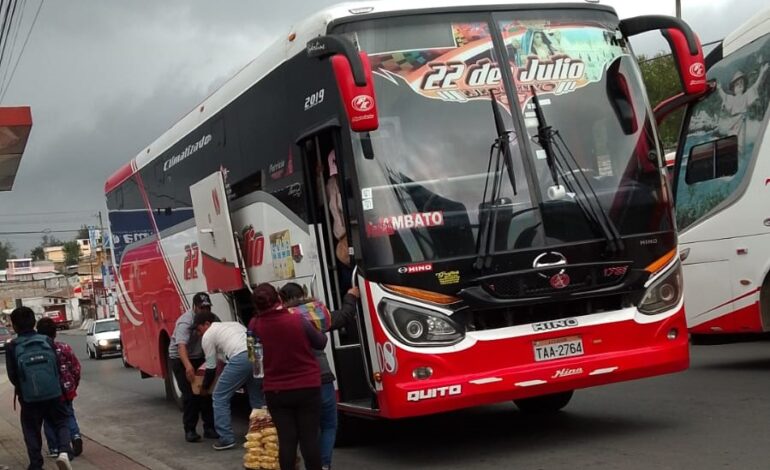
<point>220,445</point>
<point>77,446</point>
<point>210,434</point>
<point>192,436</point>
<point>53,453</point>
<point>63,462</point>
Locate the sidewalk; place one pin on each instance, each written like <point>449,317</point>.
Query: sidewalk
<point>13,453</point>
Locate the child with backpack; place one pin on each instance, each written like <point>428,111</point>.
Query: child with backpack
<point>33,369</point>
<point>69,379</point>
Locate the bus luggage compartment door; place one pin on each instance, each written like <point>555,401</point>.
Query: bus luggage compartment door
<point>216,241</point>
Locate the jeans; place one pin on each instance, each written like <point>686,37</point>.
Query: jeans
<point>297,418</point>
<point>72,424</point>
<point>237,372</point>
<point>32,416</point>
<point>192,405</point>
<point>328,422</point>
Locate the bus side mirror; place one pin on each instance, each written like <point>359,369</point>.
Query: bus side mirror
<point>354,79</point>
<point>687,51</point>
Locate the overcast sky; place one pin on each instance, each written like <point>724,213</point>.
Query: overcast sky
<point>106,77</point>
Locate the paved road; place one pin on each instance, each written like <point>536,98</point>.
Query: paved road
<point>714,416</point>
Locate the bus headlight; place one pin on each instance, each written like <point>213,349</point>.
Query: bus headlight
<point>664,293</point>
<point>417,326</point>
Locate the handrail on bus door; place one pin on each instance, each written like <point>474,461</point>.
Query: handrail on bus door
<point>367,371</point>
<point>329,234</point>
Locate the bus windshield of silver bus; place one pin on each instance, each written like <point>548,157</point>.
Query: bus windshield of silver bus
<point>423,193</point>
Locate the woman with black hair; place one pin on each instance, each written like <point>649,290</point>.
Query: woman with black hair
<point>292,382</point>
<point>293,295</point>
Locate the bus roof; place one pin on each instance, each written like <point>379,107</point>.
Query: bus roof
<point>757,26</point>
<point>284,48</point>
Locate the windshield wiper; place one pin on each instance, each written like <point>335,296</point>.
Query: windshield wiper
<point>553,148</point>
<point>503,161</point>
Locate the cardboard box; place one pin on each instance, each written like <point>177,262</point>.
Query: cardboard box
<point>197,382</point>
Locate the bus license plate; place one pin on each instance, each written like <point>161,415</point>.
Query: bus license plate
<point>557,348</point>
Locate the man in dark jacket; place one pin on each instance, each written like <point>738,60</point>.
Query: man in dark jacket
<point>34,412</point>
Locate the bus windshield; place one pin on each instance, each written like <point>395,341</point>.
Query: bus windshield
<point>422,194</point>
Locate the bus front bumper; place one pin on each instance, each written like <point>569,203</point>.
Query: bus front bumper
<point>504,369</point>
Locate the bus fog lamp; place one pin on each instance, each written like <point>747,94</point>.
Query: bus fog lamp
<point>673,333</point>
<point>422,373</point>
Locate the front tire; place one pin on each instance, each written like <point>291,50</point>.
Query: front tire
<point>88,351</point>
<point>544,404</point>
<point>97,354</point>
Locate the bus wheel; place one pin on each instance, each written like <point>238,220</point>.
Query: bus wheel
<point>123,358</point>
<point>545,403</point>
<point>173,393</point>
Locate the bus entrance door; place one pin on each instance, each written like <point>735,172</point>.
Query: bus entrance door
<point>328,214</point>
<point>216,241</point>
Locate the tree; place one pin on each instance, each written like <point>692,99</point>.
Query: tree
<point>662,81</point>
<point>6,253</point>
<point>37,253</point>
<point>82,233</point>
<point>71,253</point>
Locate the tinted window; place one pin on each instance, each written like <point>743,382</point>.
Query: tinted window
<point>712,160</point>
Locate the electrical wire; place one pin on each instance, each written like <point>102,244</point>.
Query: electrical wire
<point>13,43</point>
<point>24,214</point>
<point>23,47</point>
<point>7,34</point>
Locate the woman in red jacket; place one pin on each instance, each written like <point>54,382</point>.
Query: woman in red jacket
<point>292,382</point>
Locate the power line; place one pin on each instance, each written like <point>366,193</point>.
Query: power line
<point>23,214</point>
<point>13,43</point>
<point>12,7</point>
<point>38,232</point>
<point>23,47</point>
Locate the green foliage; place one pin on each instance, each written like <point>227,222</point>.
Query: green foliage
<point>6,252</point>
<point>71,253</point>
<point>37,254</point>
<point>662,82</point>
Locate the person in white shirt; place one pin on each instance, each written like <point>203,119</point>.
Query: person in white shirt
<point>226,341</point>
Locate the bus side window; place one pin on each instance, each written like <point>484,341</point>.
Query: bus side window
<point>712,160</point>
<point>120,203</point>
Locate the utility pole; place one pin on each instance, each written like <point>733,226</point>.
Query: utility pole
<point>105,273</point>
<point>679,9</point>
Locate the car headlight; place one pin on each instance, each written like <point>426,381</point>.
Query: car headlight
<point>418,326</point>
<point>104,342</point>
<point>664,293</point>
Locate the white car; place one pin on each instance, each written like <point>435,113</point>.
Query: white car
<point>103,337</point>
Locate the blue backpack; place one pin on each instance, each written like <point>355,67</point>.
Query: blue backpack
<point>37,368</point>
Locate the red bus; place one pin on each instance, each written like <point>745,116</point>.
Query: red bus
<point>510,227</point>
